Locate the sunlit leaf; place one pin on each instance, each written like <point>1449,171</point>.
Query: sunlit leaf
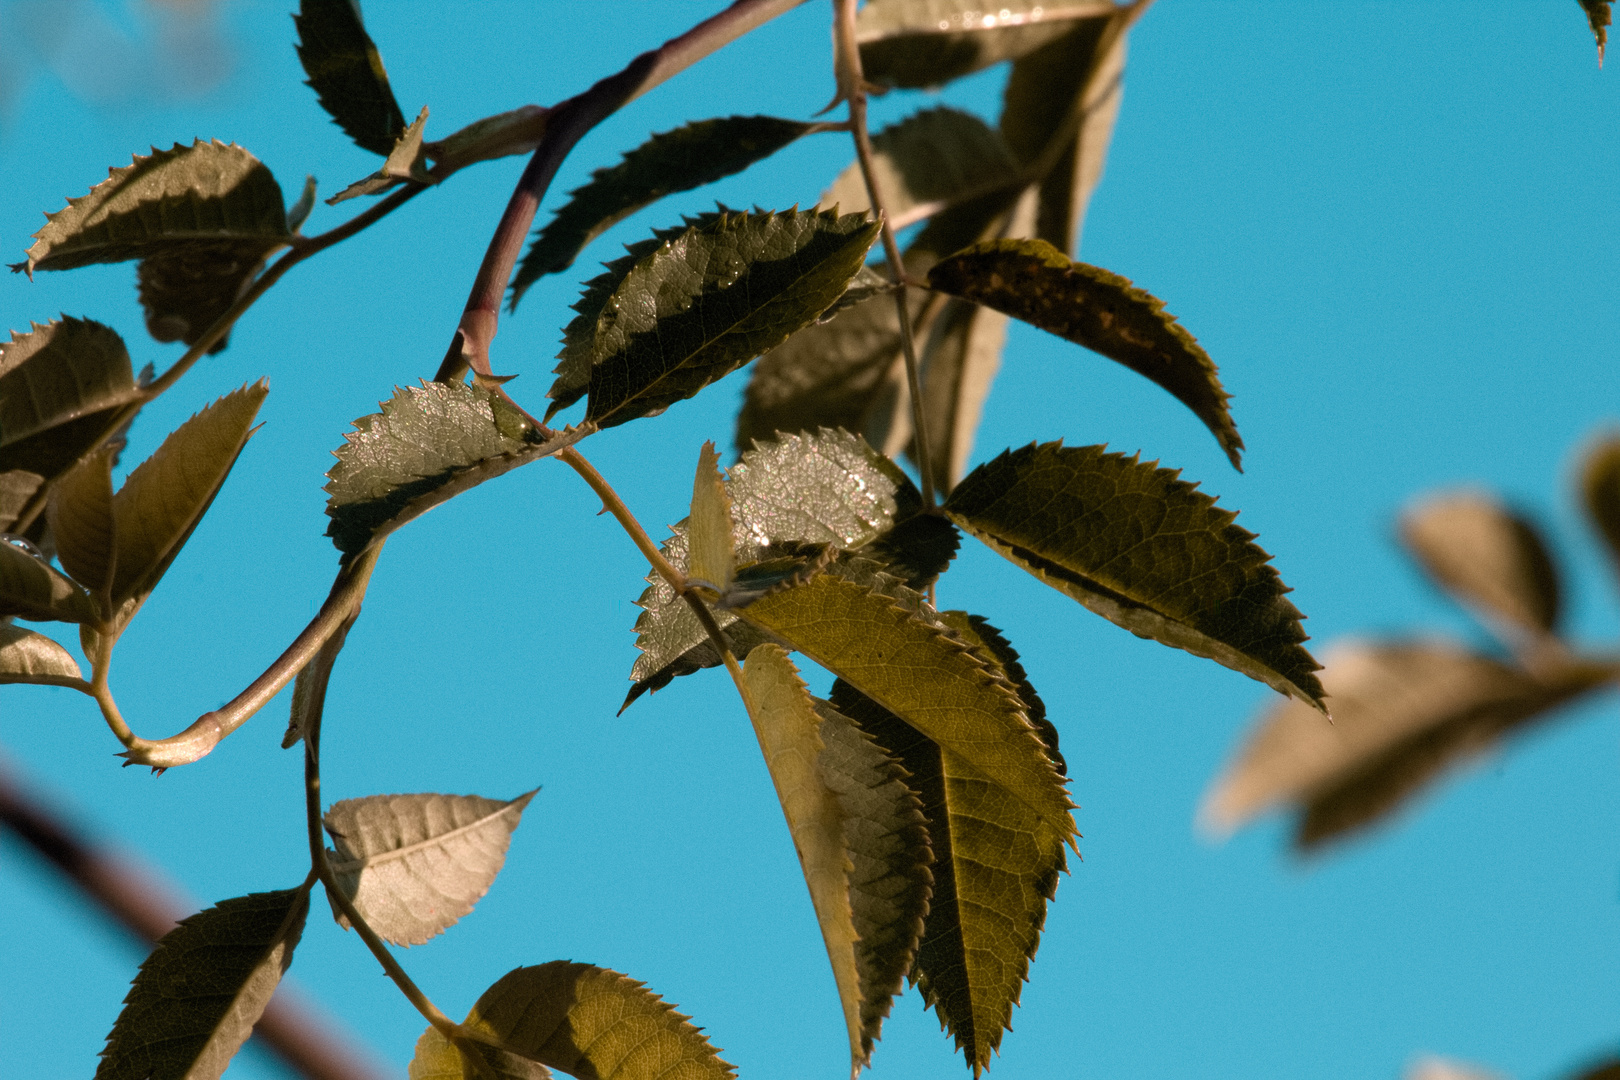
<point>168,493</point>
<point>586,1021</point>
<point>206,193</point>
<point>30,588</point>
<point>710,528</point>
<point>198,995</point>
<point>1058,114</point>
<point>1033,281</point>
<point>80,513</point>
<point>710,300</point>
<point>516,131</point>
<point>1143,549</point>
<point>427,444</point>
<point>1600,489</point>
<point>1402,714</point>
<point>346,72</point>
<point>990,642</point>
<point>415,864</point>
<point>996,865</point>
<point>406,161</point>
<point>1489,557</point>
<point>890,647</point>
<point>920,43</point>
<point>688,157</point>
<point>925,162</point>
<point>55,374</point>
<point>25,656</point>
<point>1598,17</point>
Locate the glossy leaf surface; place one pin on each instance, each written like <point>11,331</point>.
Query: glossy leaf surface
<point>415,864</point>
<point>346,72</point>
<point>198,995</point>
<point>1144,549</point>
<point>25,654</point>
<point>1034,282</point>
<point>1488,557</point>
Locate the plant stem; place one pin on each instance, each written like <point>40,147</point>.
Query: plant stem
<point>569,122</point>
<point>615,506</point>
<point>853,86</point>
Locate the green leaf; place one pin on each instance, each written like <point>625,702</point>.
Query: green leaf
<point>960,360</point>
<point>688,157</point>
<point>888,645</point>
<point>425,446</point>
<point>80,512</point>
<point>1143,549</point>
<point>55,374</point>
<point>406,161</point>
<point>346,72</point>
<point>207,193</point>
<point>929,160</point>
<point>30,588</point>
<point>168,493</point>
<point>415,864</point>
<point>1490,558</point>
<point>996,865</point>
<point>1598,17</point>
<point>712,299</point>
<point>587,1021</point>
<point>26,656</point>
<point>825,488</point>
<point>187,287</point>
<point>1600,489</point>
<point>1058,114</point>
<point>1403,712</point>
<point>923,43</point>
<point>1033,281</point>
<point>990,642</point>
<point>859,835</point>
<point>198,995</point>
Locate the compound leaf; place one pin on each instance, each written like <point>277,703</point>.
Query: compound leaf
<point>415,864</point>
<point>713,298</point>
<point>198,995</point>
<point>925,162</point>
<point>26,655</point>
<point>54,375</point>
<point>888,645</point>
<point>688,157</point>
<point>168,493</point>
<point>207,193</point>
<point>1031,280</point>
<point>427,444</point>
<point>346,72</point>
<point>587,1021</point>
<point>80,512</point>
<point>1403,712</point>
<point>923,43</point>
<point>859,834</point>
<point>30,588</point>
<point>1490,558</point>
<point>1143,549</point>
<point>996,865</point>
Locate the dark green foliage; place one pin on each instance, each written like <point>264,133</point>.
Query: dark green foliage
<point>346,72</point>
<point>690,156</point>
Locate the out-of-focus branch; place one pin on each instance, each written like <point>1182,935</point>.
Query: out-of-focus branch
<point>140,901</point>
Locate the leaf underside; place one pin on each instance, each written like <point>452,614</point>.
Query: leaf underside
<point>25,654</point>
<point>587,1021</point>
<point>416,864</point>
<point>1145,550</point>
<point>922,43</point>
<point>55,374</point>
<point>188,286</point>
<point>31,588</point>
<point>1490,558</point>
<point>688,157</point>
<point>937,156</point>
<point>1034,282</point>
<point>346,72</point>
<point>198,995</point>
<point>80,512</point>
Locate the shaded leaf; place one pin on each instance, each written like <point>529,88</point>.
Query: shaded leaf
<point>516,131</point>
<point>415,864</point>
<point>299,211</point>
<point>889,646</point>
<point>859,835</point>
<point>198,995</point>
<point>586,1021</point>
<point>346,72</point>
<point>866,284</point>
<point>188,286</point>
<point>926,162</point>
<point>17,487</point>
<point>1598,17</point>
<point>710,528</point>
<point>714,298</point>
<point>1600,489</point>
<point>1402,713</point>
<point>1033,281</point>
<point>25,655</point>
<point>917,550</point>
<point>1058,113</point>
<point>30,588</point>
<point>922,43</point>
<point>960,360</point>
<point>208,192</point>
<point>977,631</point>
<point>996,865</point>
<point>1143,549</point>
<point>578,353</point>
<point>168,493</point>
<point>406,161</point>
<point>427,444</point>
<point>80,512</point>
<point>1490,558</point>
<point>688,157</point>
<point>57,373</point>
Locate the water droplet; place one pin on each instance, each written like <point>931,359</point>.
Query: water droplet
<point>24,543</point>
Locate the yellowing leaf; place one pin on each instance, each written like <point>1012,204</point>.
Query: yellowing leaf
<point>709,528</point>
<point>406,161</point>
<point>80,513</point>
<point>346,72</point>
<point>415,864</point>
<point>26,657</point>
<point>587,1021</point>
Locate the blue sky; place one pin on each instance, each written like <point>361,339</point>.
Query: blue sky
<point>1391,224</point>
